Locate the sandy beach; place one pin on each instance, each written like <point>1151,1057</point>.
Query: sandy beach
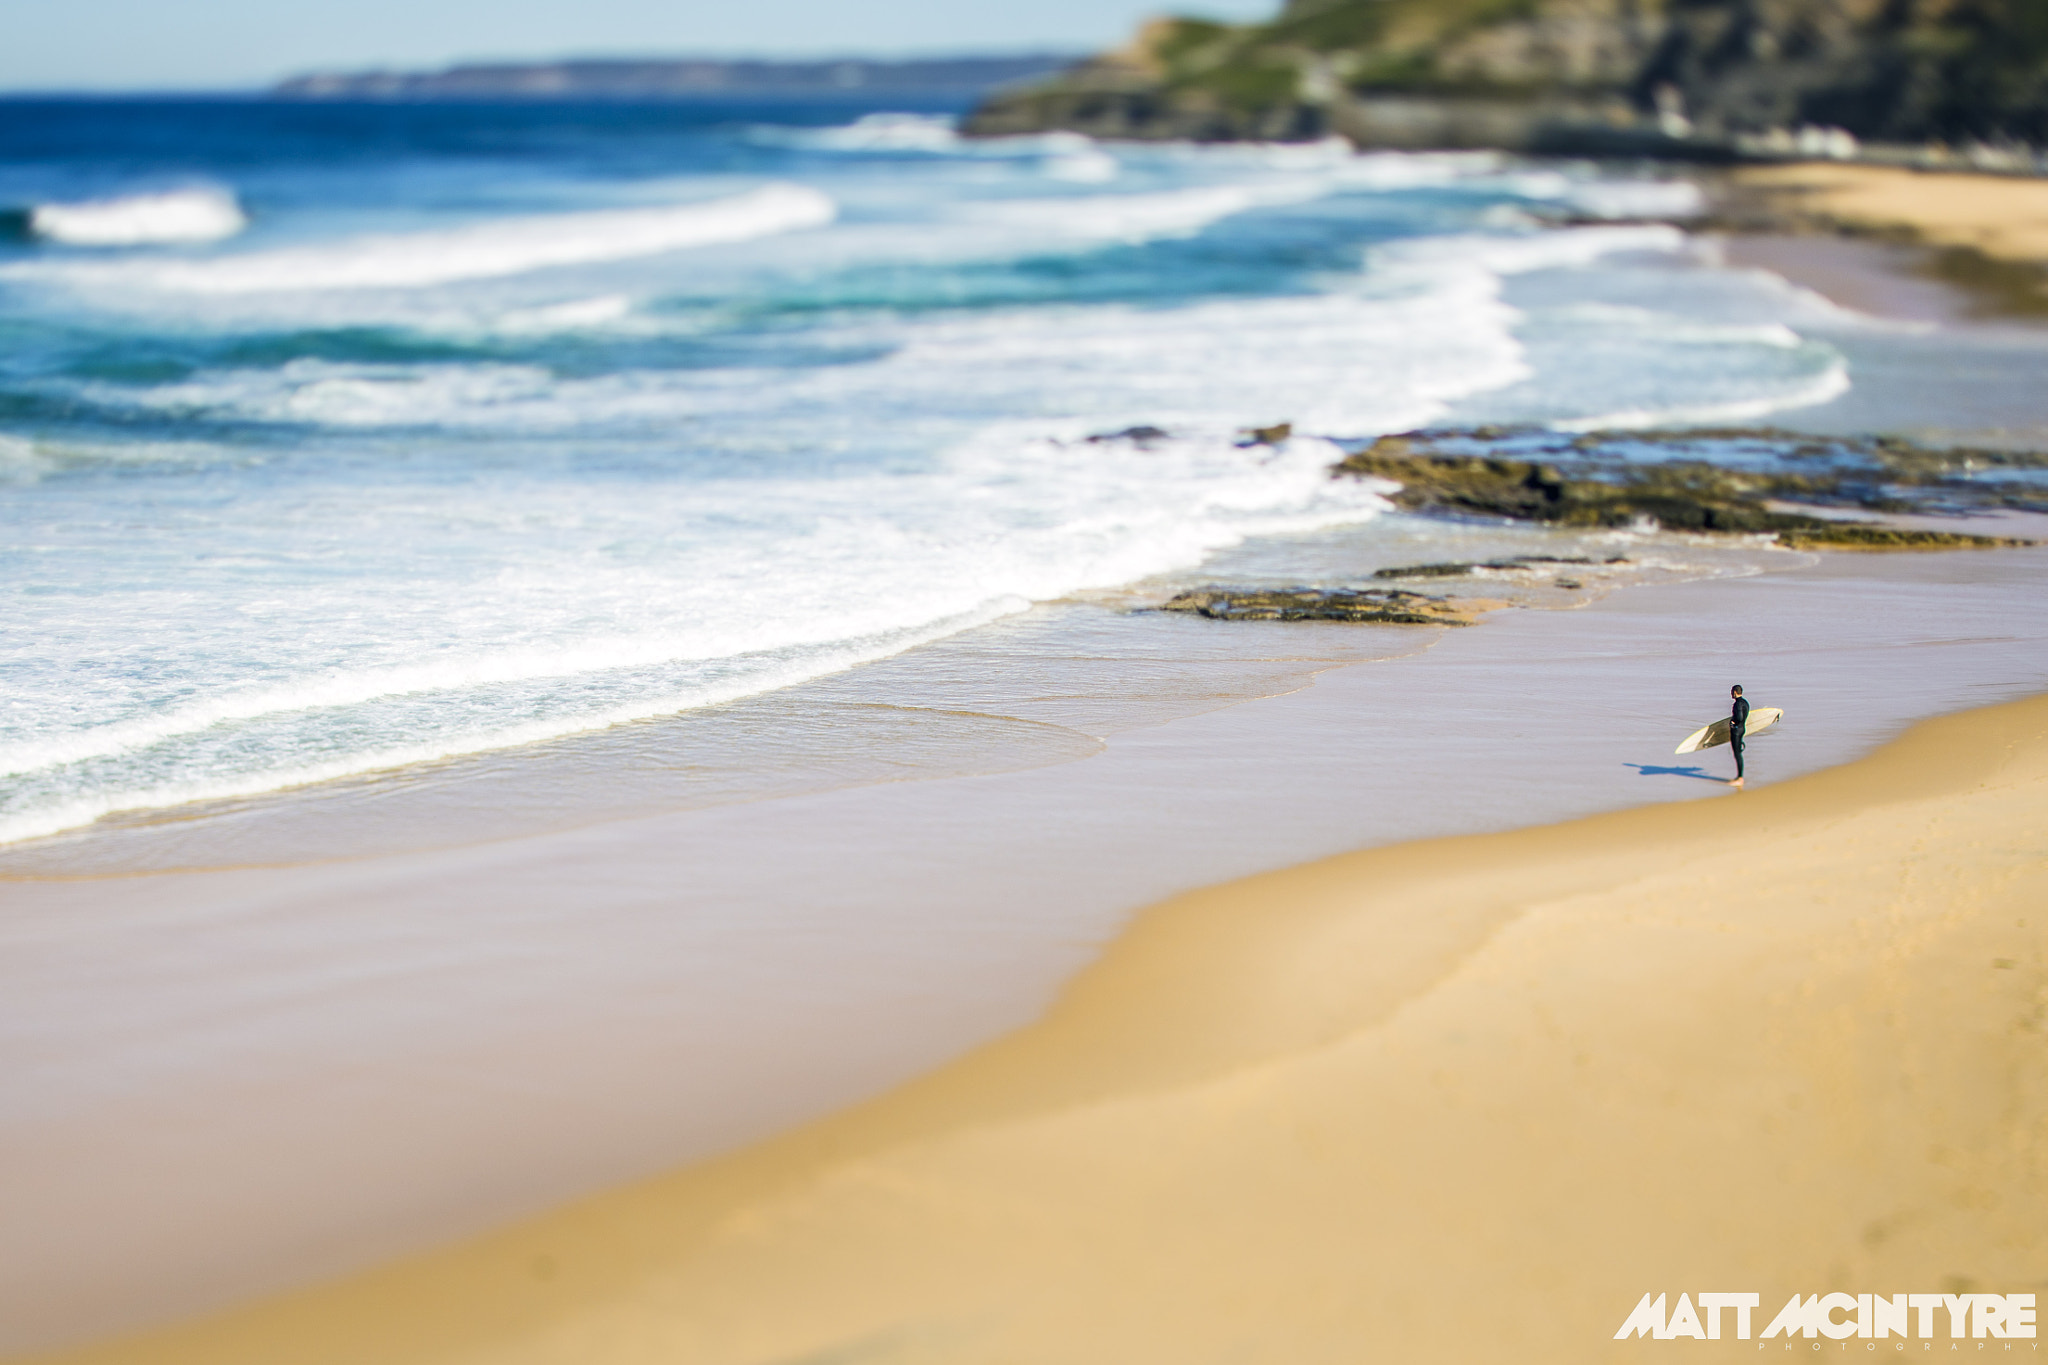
<point>2005,217</point>
<point>1445,1100</point>
<point>1926,246</point>
<point>535,1020</point>
<point>832,1025</point>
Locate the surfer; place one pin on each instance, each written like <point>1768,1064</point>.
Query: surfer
<point>1738,723</point>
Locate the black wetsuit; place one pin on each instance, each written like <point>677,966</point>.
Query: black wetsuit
<point>1738,724</point>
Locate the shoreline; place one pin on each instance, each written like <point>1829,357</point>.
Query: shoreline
<point>1047,686</point>
<point>1484,1090</point>
<point>476,963</point>
<point>1947,247</point>
<point>534,1021</point>
<point>1879,280</point>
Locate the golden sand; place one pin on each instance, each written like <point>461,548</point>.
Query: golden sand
<point>1459,1100</point>
<point>2005,217</point>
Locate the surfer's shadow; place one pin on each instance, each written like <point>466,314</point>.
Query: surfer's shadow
<point>1664,770</point>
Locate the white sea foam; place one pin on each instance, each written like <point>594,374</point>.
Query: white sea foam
<point>1520,254</point>
<point>1595,362</point>
<point>485,251</point>
<point>1140,217</point>
<point>1082,160</point>
<point>197,215</point>
<point>722,623</point>
<point>1285,176</point>
<point>883,132</point>
<point>1087,166</point>
<point>1675,328</point>
<point>295,771</point>
<point>20,461</point>
<point>346,687</point>
<point>574,315</point>
<point>1830,383</point>
<point>1323,154</point>
<point>1638,198</point>
<point>928,134</point>
<point>1611,198</point>
<point>1344,362</point>
<point>544,526</point>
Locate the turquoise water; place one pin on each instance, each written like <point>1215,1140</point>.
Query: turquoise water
<point>337,439</point>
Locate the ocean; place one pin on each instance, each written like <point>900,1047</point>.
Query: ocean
<point>545,644</point>
<point>337,440</point>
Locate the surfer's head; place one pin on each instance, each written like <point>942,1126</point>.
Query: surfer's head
<point>1735,691</point>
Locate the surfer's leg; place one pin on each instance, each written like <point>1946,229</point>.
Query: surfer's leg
<point>1735,742</point>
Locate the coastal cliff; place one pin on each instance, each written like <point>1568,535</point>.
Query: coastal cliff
<point>1712,79</point>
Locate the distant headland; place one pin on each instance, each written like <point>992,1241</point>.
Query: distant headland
<point>1944,82</point>
<point>968,77</point>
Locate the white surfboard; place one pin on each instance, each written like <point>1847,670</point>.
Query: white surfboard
<point>1761,718</point>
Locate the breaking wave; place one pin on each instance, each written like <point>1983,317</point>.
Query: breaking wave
<point>489,250</point>
<point>140,220</point>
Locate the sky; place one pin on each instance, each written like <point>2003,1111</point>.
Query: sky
<point>239,44</point>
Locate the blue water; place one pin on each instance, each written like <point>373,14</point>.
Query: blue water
<point>340,438</point>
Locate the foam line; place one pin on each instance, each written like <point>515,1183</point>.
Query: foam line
<point>139,220</point>
<point>1143,217</point>
<point>1829,384</point>
<point>44,821</point>
<point>1520,254</point>
<point>489,250</point>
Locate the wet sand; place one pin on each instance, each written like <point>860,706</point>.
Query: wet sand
<point>1882,279</point>
<point>2004,217</point>
<point>1913,245</point>
<point>230,1082</point>
<point>1456,1099</point>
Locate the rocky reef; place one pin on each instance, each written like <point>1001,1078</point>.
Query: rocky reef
<point>1385,606</point>
<point>1762,483</point>
<point>1514,564</point>
<point>1637,478</point>
<point>1706,79</point>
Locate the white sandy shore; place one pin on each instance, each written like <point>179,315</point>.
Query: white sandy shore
<point>231,1082</point>
<point>1458,1100</point>
<point>2003,216</point>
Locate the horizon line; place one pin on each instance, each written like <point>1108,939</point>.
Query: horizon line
<point>267,88</point>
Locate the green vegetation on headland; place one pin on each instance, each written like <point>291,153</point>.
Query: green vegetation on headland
<point>1703,78</point>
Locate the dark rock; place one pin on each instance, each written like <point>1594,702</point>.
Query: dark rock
<point>1678,494</point>
<point>1137,436</point>
<point>1425,571</point>
<point>1853,535</point>
<point>1386,606</point>
<point>1453,570</point>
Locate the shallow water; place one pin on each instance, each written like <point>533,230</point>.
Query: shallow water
<point>1038,687</point>
<point>466,429</point>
